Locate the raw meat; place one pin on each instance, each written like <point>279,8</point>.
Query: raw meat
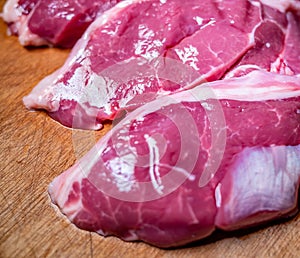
<point>52,22</point>
<point>16,16</point>
<point>283,5</point>
<point>210,37</point>
<point>276,45</point>
<point>224,155</point>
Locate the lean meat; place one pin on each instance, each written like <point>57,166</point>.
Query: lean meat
<point>216,39</point>
<point>224,155</point>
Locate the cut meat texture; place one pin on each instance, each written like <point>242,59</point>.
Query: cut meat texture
<point>276,45</point>
<point>213,137</point>
<point>52,22</point>
<point>215,39</point>
<point>224,155</point>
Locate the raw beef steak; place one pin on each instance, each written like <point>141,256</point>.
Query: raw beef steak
<point>210,37</point>
<point>52,22</point>
<point>224,155</point>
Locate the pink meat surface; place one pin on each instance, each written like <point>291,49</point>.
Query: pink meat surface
<point>276,45</point>
<point>209,37</point>
<point>224,155</point>
<point>52,22</point>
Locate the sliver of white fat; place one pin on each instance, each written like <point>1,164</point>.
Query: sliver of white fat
<point>153,164</point>
<point>218,196</point>
<point>124,171</point>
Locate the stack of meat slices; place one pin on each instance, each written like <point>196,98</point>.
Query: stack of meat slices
<point>211,138</point>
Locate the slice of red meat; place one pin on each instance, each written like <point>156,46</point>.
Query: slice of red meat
<point>52,22</point>
<point>222,155</point>
<point>208,37</point>
<point>214,39</point>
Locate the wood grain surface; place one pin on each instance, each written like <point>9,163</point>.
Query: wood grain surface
<point>34,149</point>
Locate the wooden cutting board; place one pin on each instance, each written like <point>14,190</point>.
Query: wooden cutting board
<point>34,149</point>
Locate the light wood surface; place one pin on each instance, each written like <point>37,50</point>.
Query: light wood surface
<point>34,149</point>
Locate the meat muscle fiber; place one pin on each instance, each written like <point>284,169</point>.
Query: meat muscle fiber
<point>214,39</point>
<point>52,22</point>
<point>222,155</point>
